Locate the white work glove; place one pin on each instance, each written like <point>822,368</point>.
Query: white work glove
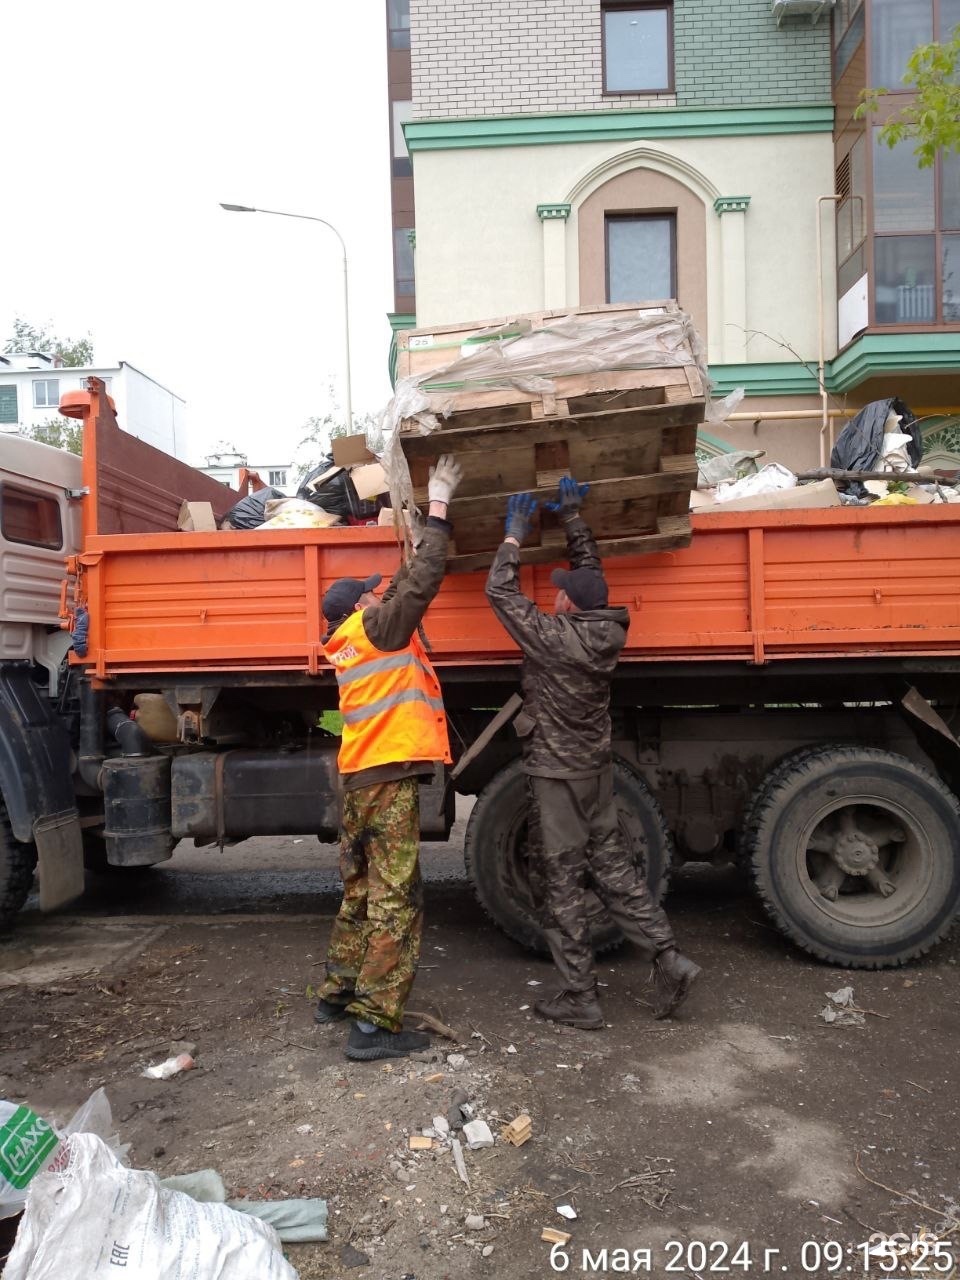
<point>444,478</point>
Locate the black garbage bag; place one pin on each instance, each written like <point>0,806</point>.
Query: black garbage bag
<point>338,495</point>
<point>248,513</point>
<point>859,443</point>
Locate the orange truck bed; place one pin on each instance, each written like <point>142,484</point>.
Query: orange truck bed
<point>753,587</point>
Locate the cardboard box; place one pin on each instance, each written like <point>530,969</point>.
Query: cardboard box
<point>196,517</point>
<point>369,480</point>
<point>804,496</point>
<point>351,451</point>
<point>325,477</point>
<point>386,517</point>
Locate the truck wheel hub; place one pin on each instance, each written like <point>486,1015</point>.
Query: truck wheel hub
<point>855,854</point>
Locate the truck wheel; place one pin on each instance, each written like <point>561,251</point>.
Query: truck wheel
<point>855,853</point>
<point>17,864</point>
<point>495,851</point>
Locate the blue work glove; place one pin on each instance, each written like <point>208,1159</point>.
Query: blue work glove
<point>570,496</point>
<point>520,509</point>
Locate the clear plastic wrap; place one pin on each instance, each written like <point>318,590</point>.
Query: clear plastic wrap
<point>530,360</point>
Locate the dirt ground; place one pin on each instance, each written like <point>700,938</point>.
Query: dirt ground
<point>744,1120</point>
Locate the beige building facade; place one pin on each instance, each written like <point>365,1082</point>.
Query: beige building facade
<point>573,152</point>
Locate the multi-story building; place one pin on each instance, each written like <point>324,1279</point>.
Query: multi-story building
<point>403,221</point>
<point>32,382</point>
<point>227,468</point>
<point>574,152</point>
<point>898,227</point>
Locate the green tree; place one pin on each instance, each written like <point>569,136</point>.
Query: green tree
<point>932,119</point>
<point>62,433</point>
<point>72,352</point>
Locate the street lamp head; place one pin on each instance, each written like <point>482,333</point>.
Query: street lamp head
<point>237,208</point>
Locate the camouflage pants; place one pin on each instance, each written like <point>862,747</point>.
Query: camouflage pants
<point>375,942</point>
<point>581,845</point>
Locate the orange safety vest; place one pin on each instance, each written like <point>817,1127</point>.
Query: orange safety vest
<point>390,701</point>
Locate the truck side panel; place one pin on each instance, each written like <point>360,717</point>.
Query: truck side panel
<point>752,586</point>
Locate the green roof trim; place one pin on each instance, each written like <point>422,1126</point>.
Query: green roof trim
<point>780,378</point>
<point>604,126</point>
<point>876,353</point>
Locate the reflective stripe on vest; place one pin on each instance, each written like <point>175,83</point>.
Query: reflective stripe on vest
<point>377,665</point>
<point>394,700</point>
<point>390,701</point>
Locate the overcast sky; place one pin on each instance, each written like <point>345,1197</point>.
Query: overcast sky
<point>126,123</point>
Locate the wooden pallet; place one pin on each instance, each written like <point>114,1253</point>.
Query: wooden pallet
<point>423,353</point>
<point>639,460</point>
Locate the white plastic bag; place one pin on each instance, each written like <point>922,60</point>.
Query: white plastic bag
<point>29,1144</point>
<point>93,1217</point>
<point>768,479</point>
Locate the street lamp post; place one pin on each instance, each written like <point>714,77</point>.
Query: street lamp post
<point>306,217</point>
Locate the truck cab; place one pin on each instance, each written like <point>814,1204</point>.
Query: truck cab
<point>40,488</point>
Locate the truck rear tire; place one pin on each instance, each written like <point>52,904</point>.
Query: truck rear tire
<point>17,864</point>
<point>496,856</point>
<point>855,853</point>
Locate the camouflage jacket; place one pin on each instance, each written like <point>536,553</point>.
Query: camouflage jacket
<point>568,662</point>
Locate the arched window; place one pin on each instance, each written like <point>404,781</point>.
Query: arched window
<point>637,232</point>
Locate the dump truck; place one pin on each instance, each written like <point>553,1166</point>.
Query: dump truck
<point>787,698</point>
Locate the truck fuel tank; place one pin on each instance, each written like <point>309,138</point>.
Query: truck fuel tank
<point>255,793</point>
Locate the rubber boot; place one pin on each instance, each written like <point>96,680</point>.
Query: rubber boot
<point>370,1046</point>
<point>673,976</point>
<point>326,1012</point>
<point>574,1009</point>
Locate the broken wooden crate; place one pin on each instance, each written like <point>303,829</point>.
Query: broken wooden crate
<point>629,432</point>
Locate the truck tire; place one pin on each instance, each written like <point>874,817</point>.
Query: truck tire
<point>496,858</point>
<point>17,864</point>
<point>855,853</point>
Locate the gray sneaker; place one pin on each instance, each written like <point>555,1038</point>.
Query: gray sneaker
<point>673,976</point>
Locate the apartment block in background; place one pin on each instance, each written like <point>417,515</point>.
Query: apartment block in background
<point>31,384</point>
<point>574,152</point>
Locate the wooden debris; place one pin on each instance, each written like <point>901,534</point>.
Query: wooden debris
<point>518,1131</point>
<point>420,1143</point>
<point>553,1236</point>
<point>434,1024</point>
<point>435,1078</point>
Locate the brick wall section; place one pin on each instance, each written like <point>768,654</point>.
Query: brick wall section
<point>517,57</point>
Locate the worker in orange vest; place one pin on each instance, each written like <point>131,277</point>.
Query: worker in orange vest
<point>394,731</point>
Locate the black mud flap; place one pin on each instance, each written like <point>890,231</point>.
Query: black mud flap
<point>35,756</point>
